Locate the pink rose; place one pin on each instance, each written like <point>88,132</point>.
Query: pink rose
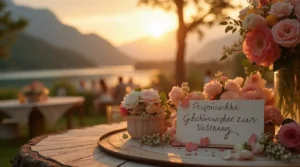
<point>175,95</point>
<point>297,10</point>
<point>239,80</point>
<point>260,48</point>
<point>255,79</point>
<point>289,135</point>
<point>254,21</point>
<point>231,85</point>
<point>212,89</point>
<point>253,95</point>
<point>287,33</point>
<point>251,87</point>
<point>293,2</point>
<point>230,95</point>
<point>150,96</point>
<point>196,96</point>
<point>123,111</point>
<point>273,115</point>
<point>281,9</point>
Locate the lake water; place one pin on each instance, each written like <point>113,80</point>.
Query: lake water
<point>48,77</point>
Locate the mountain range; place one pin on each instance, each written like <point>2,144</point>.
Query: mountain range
<point>45,26</point>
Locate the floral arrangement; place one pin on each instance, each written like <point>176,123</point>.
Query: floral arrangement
<point>285,147</point>
<point>146,102</point>
<point>253,88</point>
<point>270,34</point>
<point>35,92</point>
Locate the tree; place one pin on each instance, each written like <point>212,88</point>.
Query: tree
<point>8,30</point>
<point>208,12</point>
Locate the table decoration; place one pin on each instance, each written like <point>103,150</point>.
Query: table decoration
<point>269,37</point>
<point>145,111</point>
<point>35,92</point>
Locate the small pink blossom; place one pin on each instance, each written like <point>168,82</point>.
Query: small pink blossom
<point>260,47</point>
<point>185,103</point>
<point>281,9</point>
<point>123,111</point>
<point>255,79</point>
<point>196,96</point>
<point>253,95</point>
<point>212,89</point>
<point>239,80</point>
<point>251,87</point>
<point>204,141</point>
<point>252,139</point>
<point>257,148</point>
<point>269,94</point>
<point>231,85</point>
<point>272,115</point>
<point>289,135</point>
<point>230,95</point>
<point>287,33</point>
<point>175,95</point>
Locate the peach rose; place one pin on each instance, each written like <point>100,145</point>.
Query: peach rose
<point>239,80</point>
<point>281,9</point>
<point>254,21</point>
<point>287,33</point>
<point>231,85</point>
<point>289,135</point>
<point>273,115</point>
<point>196,96</point>
<point>260,48</point>
<point>175,95</point>
<point>255,79</point>
<point>297,10</point>
<point>153,109</point>
<point>230,95</point>
<point>212,89</point>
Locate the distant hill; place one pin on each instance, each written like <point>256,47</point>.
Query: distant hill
<point>164,48</point>
<point>45,25</point>
<point>213,49</point>
<point>29,53</point>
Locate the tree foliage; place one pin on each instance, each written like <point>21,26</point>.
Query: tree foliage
<point>8,29</point>
<point>207,13</point>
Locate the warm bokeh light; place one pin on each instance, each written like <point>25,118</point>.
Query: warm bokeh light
<point>158,28</point>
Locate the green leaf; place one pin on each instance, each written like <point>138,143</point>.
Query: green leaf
<point>223,23</point>
<point>138,89</point>
<point>246,63</point>
<point>223,57</point>
<point>287,121</point>
<point>228,29</point>
<point>163,97</point>
<point>234,30</point>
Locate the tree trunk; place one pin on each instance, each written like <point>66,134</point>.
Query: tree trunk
<point>180,65</point>
<point>181,35</point>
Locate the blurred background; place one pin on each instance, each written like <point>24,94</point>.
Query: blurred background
<point>89,48</point>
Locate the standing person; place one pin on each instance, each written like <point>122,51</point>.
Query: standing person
<point>82,87</point>
<point>207,77</point>
<point>104,95</point>
<point>94,88</point>
<point>130,85</point>
<point>120,91</point>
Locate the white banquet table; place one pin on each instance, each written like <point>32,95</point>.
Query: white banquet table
<point>49,111</point>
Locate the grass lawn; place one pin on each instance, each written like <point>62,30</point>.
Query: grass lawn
<point>9,148</point>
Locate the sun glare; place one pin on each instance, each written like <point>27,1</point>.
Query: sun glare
<point>157,28</point>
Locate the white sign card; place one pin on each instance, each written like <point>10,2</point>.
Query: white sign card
<point>224,122</point>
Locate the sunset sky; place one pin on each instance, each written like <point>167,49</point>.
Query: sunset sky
<point>119,21</point>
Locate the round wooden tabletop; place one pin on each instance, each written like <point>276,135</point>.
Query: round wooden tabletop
<point>77,147</point>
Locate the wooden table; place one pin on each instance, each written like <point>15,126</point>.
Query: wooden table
<point>41,114</point>
<point>76,147</point>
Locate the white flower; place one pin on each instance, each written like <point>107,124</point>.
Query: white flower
<point>131,100</point>
<point>254,21</point>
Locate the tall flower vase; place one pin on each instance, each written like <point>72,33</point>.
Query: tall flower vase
<point>287,91</point>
